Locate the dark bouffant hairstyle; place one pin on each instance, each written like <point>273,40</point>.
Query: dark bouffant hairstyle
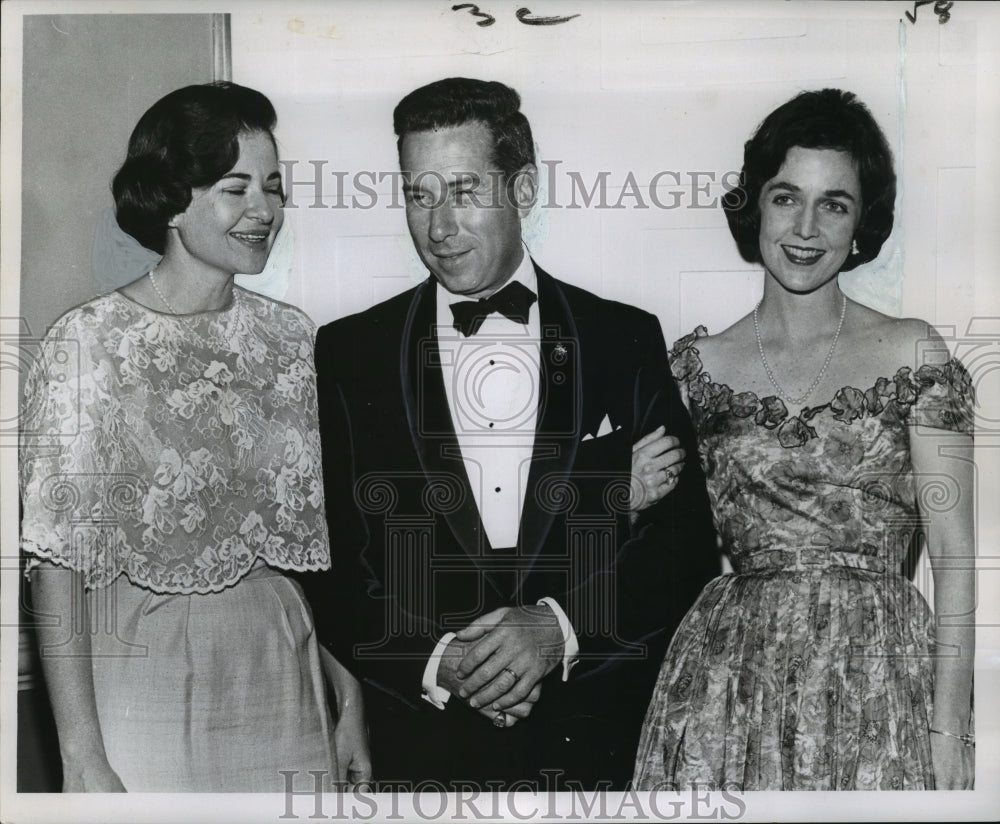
<point>456,101</point>
<point>187,139</point>
<point>827,119</point>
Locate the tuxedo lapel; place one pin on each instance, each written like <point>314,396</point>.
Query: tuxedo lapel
<point>557,434</point>
<point>433,432</point>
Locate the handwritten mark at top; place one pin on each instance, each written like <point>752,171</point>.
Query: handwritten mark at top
<point>941,9</point>
<point>524,15</point>
<point>488,19</point>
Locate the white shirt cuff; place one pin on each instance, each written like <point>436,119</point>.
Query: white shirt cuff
<point>571,646</point>
<point>436,695</point>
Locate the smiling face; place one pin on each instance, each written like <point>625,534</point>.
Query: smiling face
<point>463,224</point>
<point>808,215</point>
<point>230,226</point>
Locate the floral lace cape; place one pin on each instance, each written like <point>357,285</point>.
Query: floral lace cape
<point>178,450</point>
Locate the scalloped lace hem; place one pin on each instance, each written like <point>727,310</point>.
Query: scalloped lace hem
<point>34,556</point>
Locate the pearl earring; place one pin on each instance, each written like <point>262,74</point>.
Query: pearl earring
<point>854,247</point>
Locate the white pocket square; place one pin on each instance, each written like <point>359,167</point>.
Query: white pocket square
<point>604,429</point>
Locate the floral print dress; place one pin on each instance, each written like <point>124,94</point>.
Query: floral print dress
<point>174,463</point>
<point>809,667</point>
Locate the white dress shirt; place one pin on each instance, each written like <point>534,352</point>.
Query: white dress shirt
<point>491,382</point>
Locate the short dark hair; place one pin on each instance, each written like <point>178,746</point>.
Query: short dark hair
<point>457,101</point>
<point>827,119</point>
<point>189,138</point>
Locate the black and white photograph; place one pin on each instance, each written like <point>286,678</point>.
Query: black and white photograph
<point>431,411</point>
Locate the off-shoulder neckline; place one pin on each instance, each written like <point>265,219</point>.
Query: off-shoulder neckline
<point>848,403</point>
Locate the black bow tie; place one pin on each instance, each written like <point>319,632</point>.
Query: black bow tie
<point>513,301</point>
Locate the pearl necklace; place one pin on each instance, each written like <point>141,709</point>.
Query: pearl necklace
<point>160,295</point>
<point>187,321</point>
<point>826,363</point>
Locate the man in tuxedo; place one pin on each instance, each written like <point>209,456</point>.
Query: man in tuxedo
<point>504,610</point>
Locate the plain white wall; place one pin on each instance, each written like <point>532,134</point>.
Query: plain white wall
<point>625,88</point>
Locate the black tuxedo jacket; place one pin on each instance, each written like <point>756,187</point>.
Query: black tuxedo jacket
<point>411,560</point>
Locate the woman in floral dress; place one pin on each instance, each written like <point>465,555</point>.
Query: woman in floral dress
<point>832,436</point>
<point>171,479</point>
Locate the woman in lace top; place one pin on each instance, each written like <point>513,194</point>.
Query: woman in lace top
<point>171,479</point>
<point>832,436</point>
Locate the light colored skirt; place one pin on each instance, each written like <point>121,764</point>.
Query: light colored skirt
<point>211,693</point>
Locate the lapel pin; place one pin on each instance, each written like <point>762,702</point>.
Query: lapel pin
<point>560,350</point>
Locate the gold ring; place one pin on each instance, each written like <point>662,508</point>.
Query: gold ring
<point>515,676</point>
<point>500,720</point>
